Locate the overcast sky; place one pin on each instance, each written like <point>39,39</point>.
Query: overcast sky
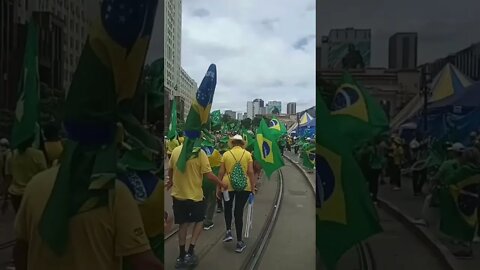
<point>443,26</point>
<point>262,49</point>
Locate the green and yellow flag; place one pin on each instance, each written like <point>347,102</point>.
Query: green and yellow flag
<point>266,150</point>
<point>216,118</point>
<point>308,155</point>
<point>278,128</point>
<point>101,95</point>
<point>198,116</point>
<point>172,128</point>
<point>458,203</point>
<point>345,213</point>
<point>361,116</point>
<point>28,109</point>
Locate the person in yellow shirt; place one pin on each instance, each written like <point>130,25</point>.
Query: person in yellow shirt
<point>237,167</point>
<point>172,144</point>
<point>25,163</point>
<point>188,200</point>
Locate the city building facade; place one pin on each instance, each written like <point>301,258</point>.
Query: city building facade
<point>466,60</point>
<point>250,112</point>
<point>291,108</point>
<point>187,91</point>
<point>402,51</point>
<point>231,114</point>
<point>347,48</point>
<point>274,107</point>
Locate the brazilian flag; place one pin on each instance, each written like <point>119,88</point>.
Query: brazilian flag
<point>216,118</point>
<point>266,150</point>
<point>27,110</point>
<point>360,115</point>
<point>345,213</point>
<point>278,128</point>
<point>249,139</point>
<point>197,118</point>
<point>308,155</point>
<point>458,204</point>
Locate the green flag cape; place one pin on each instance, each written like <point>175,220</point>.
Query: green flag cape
<point>345,212</point>
<point>172,128</point>
<point>361,116</point>
<point>27,110</point>
<point>308,155</point>
<point>266,150</point>
<point>197,118</point>
<point>458,204</point>
<point>100,95</point>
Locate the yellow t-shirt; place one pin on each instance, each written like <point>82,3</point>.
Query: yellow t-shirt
<point>229,161</point>
<point>181,140</point>
<point>54,150</point>
<point>98,239</point>
<point>188,185</point>
<point>25,166</point>
<point>215,159</point>
<point>172,144</point>
<point>150,210</point>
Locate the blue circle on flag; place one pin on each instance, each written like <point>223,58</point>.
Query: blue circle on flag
<point>345,97</point>
<point>273,122</point>
<point>265,149</point>
<point>123,20</point>
<point>325,177</point>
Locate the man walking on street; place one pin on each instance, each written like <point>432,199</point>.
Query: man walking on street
<point>188,200</point>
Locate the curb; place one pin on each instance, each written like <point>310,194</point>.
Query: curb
<point>302,170</point>
<point>426,236</point>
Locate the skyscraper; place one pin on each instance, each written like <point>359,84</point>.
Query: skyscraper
<point>291,108</point>
<point>274,107</point>
<point>249,112</point>
<point>402,51</point>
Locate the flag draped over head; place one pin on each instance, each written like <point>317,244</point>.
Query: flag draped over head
<point>361,117</point>
<point>278,128</point>
<point>266,150</point>
<point>172,128</point>
<point>100,95</point>
<point>345,213</point>
<point>27,110</point>
<point>198,117</point>
<point>458,204</point>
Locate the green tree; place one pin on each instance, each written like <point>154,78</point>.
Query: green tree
<point>247,123</point>
<point>226,118</point>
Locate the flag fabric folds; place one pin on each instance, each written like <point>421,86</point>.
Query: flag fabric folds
<point>278,128</point>
<point>198,116</point>
<point>458,204</point>
<point>100,95</point>
<point>27,110</point>
<point>266,150</point>
<point>345,212</point>
<point>216,118</point>
<point>361,117</point>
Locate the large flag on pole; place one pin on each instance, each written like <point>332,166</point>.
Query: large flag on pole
<point>266,150</point>
<point>278,128</point>
<point>27,110</point>
<point>345,213</point>
<point>198,117</point>
<point>172,128</point>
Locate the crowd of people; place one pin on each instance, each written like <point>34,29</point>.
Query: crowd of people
<point>433,167</point>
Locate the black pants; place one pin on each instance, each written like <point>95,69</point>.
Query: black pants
<point>240,198</point>
<point>396,176</point>
<point>16,201</point>
<point>373,180</point>
<point>418,180</point>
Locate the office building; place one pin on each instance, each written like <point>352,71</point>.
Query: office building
<point>240,116</point>
<point>260,102</point>
<point>347,48</point>
<point>250,112</point>
<point>262,111</point>
<point>291,108</point>
<point>231,114</point>
<point>402,51</point>
<point>466,60</point>
<point>187,90</point>
<point>274,107</point>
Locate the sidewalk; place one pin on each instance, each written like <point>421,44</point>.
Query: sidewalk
<point>409,208</point>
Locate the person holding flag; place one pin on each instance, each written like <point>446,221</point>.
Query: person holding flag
<point>237,171</point>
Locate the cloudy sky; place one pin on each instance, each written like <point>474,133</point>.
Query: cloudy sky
<point>443,26</point>
<point>262,49</point>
